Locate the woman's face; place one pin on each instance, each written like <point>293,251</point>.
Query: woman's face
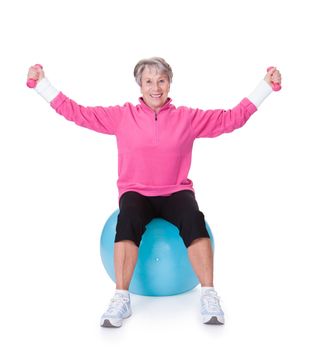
<point>155,87</point>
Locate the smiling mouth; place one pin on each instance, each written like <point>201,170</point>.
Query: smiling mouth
<point>156,95</point>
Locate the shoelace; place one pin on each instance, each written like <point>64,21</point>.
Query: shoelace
<point>117,304</point>
<point>211,301</point>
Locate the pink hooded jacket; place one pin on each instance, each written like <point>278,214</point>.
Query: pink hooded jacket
<point>154,149</point>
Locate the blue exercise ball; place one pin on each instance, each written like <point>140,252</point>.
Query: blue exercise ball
<point>163,267</point>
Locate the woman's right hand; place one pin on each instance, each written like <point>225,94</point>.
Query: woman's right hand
<point>36,73</point>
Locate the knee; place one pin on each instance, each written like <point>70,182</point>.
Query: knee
<point>130,226</point>
<point>193,228</point>
<point>194,218</point>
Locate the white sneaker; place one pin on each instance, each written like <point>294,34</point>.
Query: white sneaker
<point>118,309</point>
<point>211,311</point>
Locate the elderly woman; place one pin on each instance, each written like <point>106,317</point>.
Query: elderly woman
<point>154,140</point>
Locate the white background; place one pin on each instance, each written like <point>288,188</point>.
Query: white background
<point>58,181</point>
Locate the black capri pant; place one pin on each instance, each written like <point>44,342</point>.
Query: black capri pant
<point>180,208</point>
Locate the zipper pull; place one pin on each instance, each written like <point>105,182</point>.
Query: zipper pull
<point>155,116</point>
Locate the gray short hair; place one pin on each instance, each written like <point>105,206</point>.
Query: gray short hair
<point>156,62</point>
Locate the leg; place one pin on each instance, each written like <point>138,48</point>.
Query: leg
<point>125,258</point>
<point>201,257</point>
<point>135,213</point>
<point>182,210</point>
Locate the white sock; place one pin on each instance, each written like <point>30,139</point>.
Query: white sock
<point>204,289</point>
<point>122,291</point>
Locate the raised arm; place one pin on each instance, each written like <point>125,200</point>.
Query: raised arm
<point>212,123</point>
<point>100,119</point>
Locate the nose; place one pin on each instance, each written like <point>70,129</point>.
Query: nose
<point>156,86</point>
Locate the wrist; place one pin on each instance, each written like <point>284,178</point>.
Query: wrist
<point>262,90</point>
<point>46,90</point>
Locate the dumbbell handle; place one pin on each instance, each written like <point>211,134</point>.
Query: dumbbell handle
<point>31,83</point>
<point>275,86</point>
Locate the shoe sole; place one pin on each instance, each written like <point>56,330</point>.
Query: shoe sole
<point>108,324</point>
<point>214,320</point>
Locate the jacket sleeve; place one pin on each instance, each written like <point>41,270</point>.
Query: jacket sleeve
<point>212,123</point>
<point>101,119</point>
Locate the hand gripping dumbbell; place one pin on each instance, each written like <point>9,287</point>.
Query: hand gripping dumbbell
<point>275,86</point>
<point>31,83</point>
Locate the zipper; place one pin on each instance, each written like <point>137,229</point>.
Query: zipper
<point>156,128</point>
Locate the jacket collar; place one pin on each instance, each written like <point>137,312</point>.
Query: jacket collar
<point>144,106</point>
